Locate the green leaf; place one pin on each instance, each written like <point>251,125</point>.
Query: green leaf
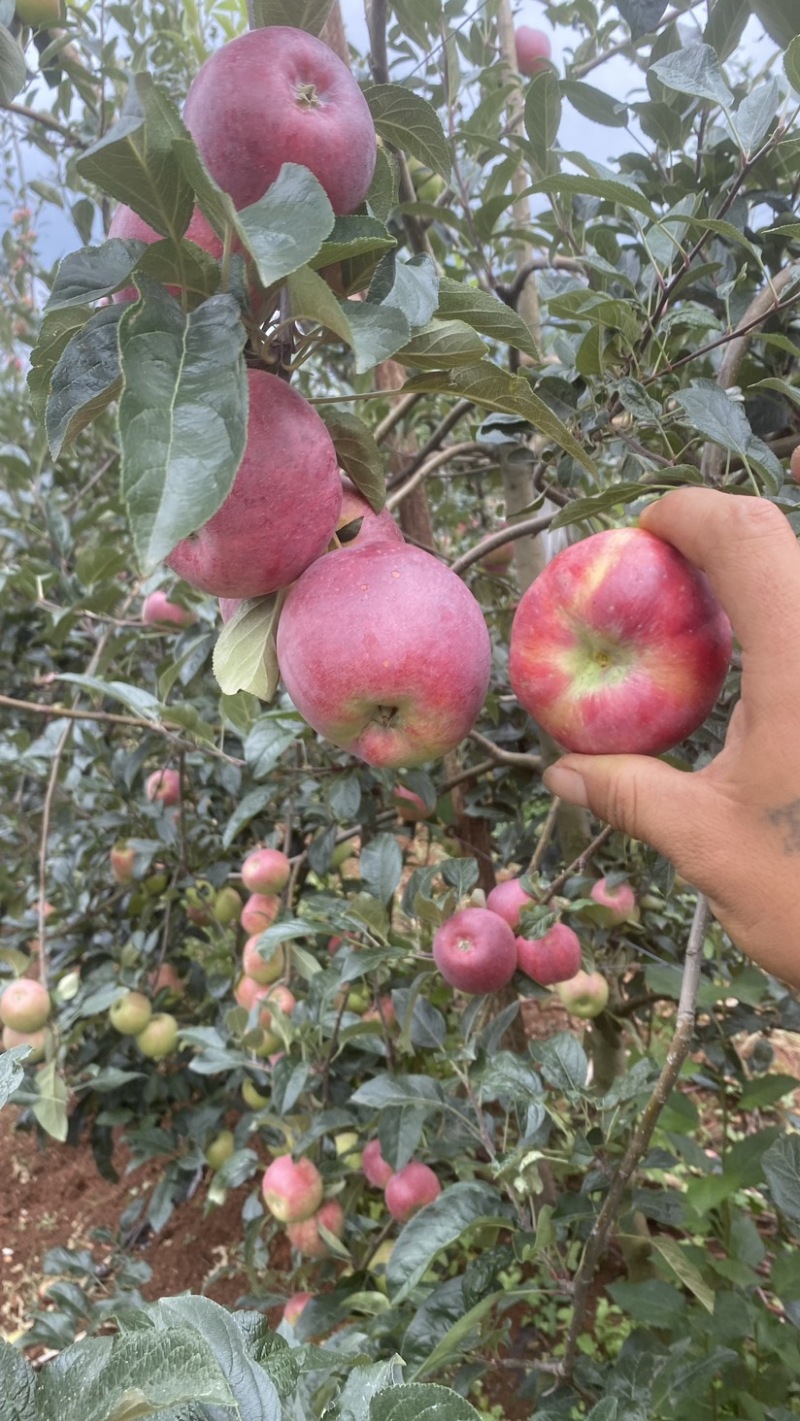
<point>134,162</point>
<point>381,866</point>
<point>563,1061</point>
<point>627,195</point>
<point>421,1401</point>
<point>694,70</point>
<point>135,698</point>
<point>253,803</point>
<point>244,653</point>
<point>377,333</point>
<point>782,1169</point>
<point>718,416</point>
<point>409,123</point>
<point>85,380</point>
<point>780,19</point>
<point>288,225</point>
<point>543,112</point>
<point>17,1383</point>
<point>486,314</point>
<point>438,1225</point>
<point>182,416</point>
<point>726,25</point>
<point>50,1106</point>
<point>410,286</point>
<point>357,452</point>
<point>12,1069</point>
<point>56,332</point>
<point>791,64</point>
<point>641,15</point>
<point>136,1375</point>
<point>442,345</point>
<point>494,389</point>
<point>676,1257</point>
<point>253,1390</point>
<point>595,104</point>
<point>307,15</point>
<point>94,272</point>
<point>354,237</point>
<point>12,66</point>
<point>755,114</point>
<point>265,744</point>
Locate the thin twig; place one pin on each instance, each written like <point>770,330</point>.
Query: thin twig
<point>110,718</point>
<point>578,864</point>
<point>506,757</point>
<point>527,527</point>
<point>436,461</point>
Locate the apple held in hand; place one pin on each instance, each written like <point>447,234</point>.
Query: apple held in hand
<point>278,95</point>
<point>385,652</point>
<point>265,871</point>
<point>533,49</point>
<point>475,951</point>
<point>410,1189</point>
<point>292,1191</point>
<point>554,957</point>
<point>283,506</point>
<point>619,646</point>
<point>25,1005</point>
<point>584,995</point>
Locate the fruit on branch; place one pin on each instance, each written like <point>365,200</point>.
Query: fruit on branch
<point>554,957</point>
<point>37,1040</point>
<point>199,903</point>
<point>163,787</point>
<point>262,970</point>
<point>165,979</point>
<point>220,1149</point>
<point>383,1012</point>
<point>305,1235</point>
<point>410,672</point>
<point>123,860</point>
<point>507,899</point>
<point>348,1148</point>
<point>475,951</point>
<point>39,12</point>
<point>157,610</point>
<point>252,1096</point>
<point>130,1014</point>
<point>379,1262</point>
<point>375,1168</point>
<point>160,1037</point>
<point>620,901</point>
<point>292,1190</point>
<point>227,906</point>
<point>584,995</point>
<point>533,50</point>
<point>293,1307</point>
<point>266,871</point>
<point>410,1189</point>
<point>359,523</point>
<point>619,646</point>
<point>248,991</point>
<point>282,508</point>
<point>794,465</point>
<point>278,95</point>
<point>280,997</point>
<point>25,1005</point>
<point>127,224</point>
<point>259,912</point>
<point>410,806</point>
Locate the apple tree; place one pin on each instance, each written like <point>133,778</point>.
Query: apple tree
<point>352,329</point>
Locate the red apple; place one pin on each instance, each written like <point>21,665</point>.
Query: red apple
<point>359,523</point>
<point>533,49</point>
<point>130,1014</point>
<point>37,1040</point>
<point>475,951</point>
<point>554,957</point>
<point>259,912</point>
<point>619,646</point>
<point>25,1005</point>
<point>409,675</point>
<point>376,1171</point>
<point>282,508</point>
<point>262,970</point>
<point>507,899</point>
<point>165,979</point>
<point>160,1037</point>
<point>292,1191</point>
<point>266,871</point>
<point>128,224</point>
<point>620,901</point>
<point>280,997</point>
<point>293,1307</point>
<point>164,786</point>
<point>410,806</point>
<point>305,1235</point>
<point>410,1189</point>
<point>584,995</point>
<point>384,1012</point>
<point>248,991</point>
<point>157,608</point>
<point>278,95</point>
<point>123,859</point>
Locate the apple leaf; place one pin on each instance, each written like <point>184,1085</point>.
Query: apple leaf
<point>139,1374</point>
<point>486,314</point>
<point>94,272</point>
<point>441,345</point>
<point>85,380</point>
<point>50,1105</point>
<point>267,740</point>
<point>55,333</point>
<point>311,299</point>
<point>353,237</point>
<point>381,866</point>
<point>378,331</point>
<point>725,26</point>
<point>134,162</point>
<point>244,654</point>
<point>791,64</point>
<point>421,1401</point>
<point>781,1164</point>
<point>716,414</point>
<point>641,15</point>
<point>182,264</point>
<point>755,114</point>
<point>595,104</point>
<point>694,70</point>
<point>17,1382</point>
<point>780,18</point>
<point>309,15</point>
<point>408,122</point>
<point>563,1062</point>
<point>438,1225</point>
<point>288,225</point>
<point>182,415</point>
<point>615,190</point>
<point>215,1328</point>
<point>409,286</point>
<point>12,66</point>
<point>543,112</point>
<point>12,1070</point>
<point>358,453</point>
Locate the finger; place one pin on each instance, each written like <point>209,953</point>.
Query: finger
<point>752,559</point>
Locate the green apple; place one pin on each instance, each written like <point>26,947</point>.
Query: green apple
<point>220,1149</point>
<point>346,1144</point>
<point>131,1014</point>
<point>160,1036</point>
<point>253,1097</point>
<point>227,907</point>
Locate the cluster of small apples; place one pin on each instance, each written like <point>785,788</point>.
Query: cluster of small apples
<point>265,873</point>
<point>25,1009</point>
<point>405,1190</point>
<point>293,1192</point>
<point>155,1033</point>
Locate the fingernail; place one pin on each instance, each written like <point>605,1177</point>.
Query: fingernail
<point>566,784</point>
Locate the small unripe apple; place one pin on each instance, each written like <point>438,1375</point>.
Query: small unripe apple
<point>259,912</point>
<point>266,871</point>
<point>375,1168</point>
<point>37,1040</point>
<point>346,1145</point>
<point>554,957</point>
<point>39,12</point>
<point>164,786</point>
<point>292,1190</point>
<point>410,806</point>
<point>304,1235</point>
<point>199,903</point>
<point>253,1097</point>
<point>533,50</point>
<point>507,899</point>
<point>262,969</point>
<point>220,1149</point>
<point>410,1189</point>
<point>620,901</point>
<point>160,1036</point>
<point>227,906</point>
<point>293,1307</point>
<point>165,979</point>
<point>157,610</point>
<point>379,1261</point>
<point>268,1047</point>
<point>584,995</point>
<point>475,951</point>
<point>130,1015</point>
<point>25,1005</point>
<point>123,860</point>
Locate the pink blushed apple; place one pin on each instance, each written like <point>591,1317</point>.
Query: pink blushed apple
<point>157,609</point>
<point>585,995</point>
<point>619,646</point>
<point>385,652</point>
<point>294,1306</point>
<point>304,1235</point>
<point>25,1005</point>
<point>554,957</point>
<point>278,95</point>
<point>37,1040</point>
<point>164,787</point>
<point>375,1168</point>
<point>127,224</point>
<point>620,901</point>
<point>410,1189</point>
<point>266,871</point>
<point>123,861</point>
<point>359,523</point>
<point>475,951</point>
<point>259,912</point>
<point>533,49</point>
<point>409,805</point>
<point>262,970</point>
<point>507,899</point>
<point>292,1189</point>
<point>282,507</point>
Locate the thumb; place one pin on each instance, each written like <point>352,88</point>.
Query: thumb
<point>642,796</point>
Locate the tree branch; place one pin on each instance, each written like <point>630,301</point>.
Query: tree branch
<point>528,527</point>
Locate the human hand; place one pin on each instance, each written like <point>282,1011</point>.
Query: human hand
<point>733,828</point>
